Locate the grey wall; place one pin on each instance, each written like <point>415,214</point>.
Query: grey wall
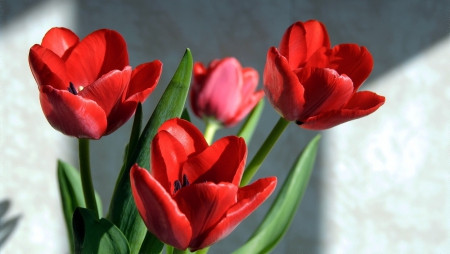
<point>365,193</point>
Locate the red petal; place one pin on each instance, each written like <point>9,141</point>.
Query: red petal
<point>349,59</point>
<point>143,81</point>
<point>325,90</point>
<point>187,134</point>
<point>249,198</point>
<point>72,114</point>
<point>47,68</point>
<point>99,53</point>
<point>61,41</point>
<point>159,211</point>
<point>223,161</point>
<point>361,104</point>
<point>281,85</point>
<point>220,96</point>
<point>204,205</point>
<point>301,40</point>
<point>167,156</point>
<point>107,90</point>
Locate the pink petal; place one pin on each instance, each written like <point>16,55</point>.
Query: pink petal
<point>61,41</point>
<point>361,104</point>
<point>281,86</point>
<point>325,90</point>
<point>249,199</point>
<point>220,95</point>
<point>223,161</point>
<point>204,205</point>
<point>71,114</point>
<point>187,134</point>
<point>99,53</point>
<point>246,107</point>
<point>159,211</point>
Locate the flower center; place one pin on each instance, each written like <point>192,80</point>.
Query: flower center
<point>177,184</point>
<point>73,90</point>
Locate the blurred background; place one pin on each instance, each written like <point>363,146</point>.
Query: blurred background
<point>381,184</point>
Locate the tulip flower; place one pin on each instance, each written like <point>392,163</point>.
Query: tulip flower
<point>192,197</point>
<point>314,85</point>
<point>87,88</point>
<point>224,91</point>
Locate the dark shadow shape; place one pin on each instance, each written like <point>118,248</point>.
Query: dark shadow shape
<point>6,226</point>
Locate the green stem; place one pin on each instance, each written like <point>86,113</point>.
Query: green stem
<point>264,150</point>
<point>169,249</point>
<point>211,128</point>
<point>177,251</point>
<point>85,173</point>
<point>203,251</point>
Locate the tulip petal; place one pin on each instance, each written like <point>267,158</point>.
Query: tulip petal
<point>188,135</point>
<point>167,156</point>
<point>361,104</point>
<point>159,211</point>
<point>47,68</point>
<point>143,81</point>
<point>223,161</point>
<point>301,40</point>
<point>71,114</point>
<point>281,86</point>
<point>325,90</point>
<point>349,59</point>
<point>220,95</point>
<point>107,90</point>
<point>247,106</point>
<point>251,78</point>
<point>97,54</point>
<point>249,198</point>
<point>204,205</point>
<point>61,41</point>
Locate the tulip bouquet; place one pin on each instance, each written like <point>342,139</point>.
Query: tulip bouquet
<point>177,188</point>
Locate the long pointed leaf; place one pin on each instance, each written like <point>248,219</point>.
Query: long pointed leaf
<point>252,121</point>
<point>71,194</point>
<point>282,211</point>
<point>122,211</point>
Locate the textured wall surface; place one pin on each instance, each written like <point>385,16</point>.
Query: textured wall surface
<point>380,185</point>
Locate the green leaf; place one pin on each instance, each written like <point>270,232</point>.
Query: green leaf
<point>250,124</point>
<point>279,218</point>
<point>71,193</point>
<point>92,235</point>
<point>151,244</point>
<point>123,211</point>
<point>185,115</point>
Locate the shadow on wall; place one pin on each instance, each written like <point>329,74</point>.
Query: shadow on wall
<point>393,31</point>
<point>7,226</point>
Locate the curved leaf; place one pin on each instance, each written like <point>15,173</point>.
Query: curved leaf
<point>282,211</point>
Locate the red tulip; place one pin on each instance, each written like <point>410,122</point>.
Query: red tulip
<point>87,88</point>
<point>308,82</point>
<point>192,197</point>
<point>224,91</point>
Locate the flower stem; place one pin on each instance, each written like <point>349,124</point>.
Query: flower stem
<point>178,251</point>
<point>85,173</point>
<point>264,150</point>
<point>211,128</point>
<point>203,251</point>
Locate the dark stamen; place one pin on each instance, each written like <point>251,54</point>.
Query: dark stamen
<point>299,123</point>
<point>72,89</point>
<point>177,184</point>
<point>185,181</point>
